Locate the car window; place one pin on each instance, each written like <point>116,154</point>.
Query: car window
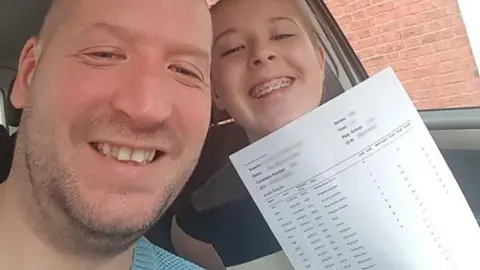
<point>425,42</point>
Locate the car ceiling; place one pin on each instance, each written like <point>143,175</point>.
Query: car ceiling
<point>19,19</point>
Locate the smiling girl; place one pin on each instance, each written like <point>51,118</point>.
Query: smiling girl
<point>267,70</point>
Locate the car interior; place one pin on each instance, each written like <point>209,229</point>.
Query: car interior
<point>456,131</point>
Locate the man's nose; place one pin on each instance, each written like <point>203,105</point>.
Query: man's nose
<point>147,101</point>
<point>262,55</point>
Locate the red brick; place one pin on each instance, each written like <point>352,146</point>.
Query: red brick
<point>401,12</point>
<point>337,3</point>
<point>391,47</point>
<point>364,34</point>
<point>455,77</point>
<point>412,42</point>
<point>437,36</point>
<point>452,66</point>
<point>366,53</point>
<point>393,57</point>
<point>453,89</point>
<point>474,85</point>
<point>452,7</point>
<point>384,28</point>
<point>390,37</point>
<point>416,73</point>
<point>345,19</point>
<point>425,104</point>
<point>365,43</point>
<point>361,24</point>
<point>357,5</point>
<point>380,8</point>
<point>419,84</point>
<point>405,65</point>
<point>476,99</point>
<point>443,45</point>
<point>423,40</point>
<point>352,37</point>
<point>383,18</point>
<point>412,31</point>
<point>424,94</point>
<point>374,2</point>
<point>419,7</point>
<point>434,25</point>
<point>408,21</point>
<point>337,11</point>
<point>454,101</point>
<point>359,15</point>
<point>437,58</point>
<point>374,61</point>
<point>459,42</point>
<point>432,15</point>
<point>460,30</point>
<point>417,51</point>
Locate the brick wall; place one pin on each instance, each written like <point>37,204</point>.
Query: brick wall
<point>423,40</point>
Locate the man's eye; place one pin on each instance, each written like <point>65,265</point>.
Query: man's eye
<point>232,51</point>
<point>282,36</point>
<point>185,72</point>
<point>105,55</point>
<point>191,72</point>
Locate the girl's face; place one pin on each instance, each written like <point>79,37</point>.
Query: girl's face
<point>265,69</point>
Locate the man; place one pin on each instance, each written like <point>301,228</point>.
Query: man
<point>116,106</point>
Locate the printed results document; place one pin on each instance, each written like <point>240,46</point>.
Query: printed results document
<point>359,183</point>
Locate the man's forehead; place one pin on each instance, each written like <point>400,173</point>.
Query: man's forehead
<point>175,19</point>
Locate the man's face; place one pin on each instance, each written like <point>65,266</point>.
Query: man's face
<point>117,109</point>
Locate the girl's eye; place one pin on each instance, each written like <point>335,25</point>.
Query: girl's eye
<point>232,51</point>
<point>282,36</point>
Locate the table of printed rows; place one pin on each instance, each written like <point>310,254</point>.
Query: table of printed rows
<point>311,211</point>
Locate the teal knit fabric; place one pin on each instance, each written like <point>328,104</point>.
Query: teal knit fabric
<point>150,257</point>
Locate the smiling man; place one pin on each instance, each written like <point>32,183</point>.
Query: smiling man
<point>116,106</point>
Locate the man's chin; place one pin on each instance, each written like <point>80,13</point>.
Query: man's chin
<point>125,220</point>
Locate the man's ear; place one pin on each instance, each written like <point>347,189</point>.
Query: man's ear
<point>218,100</point>
<point>26,68</point>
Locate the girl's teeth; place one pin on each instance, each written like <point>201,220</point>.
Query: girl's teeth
<point>270,86</point>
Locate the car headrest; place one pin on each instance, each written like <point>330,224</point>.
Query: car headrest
<point>12,115</point>
<point>6,153</point>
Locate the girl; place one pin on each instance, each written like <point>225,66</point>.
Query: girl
<point>267,70</point>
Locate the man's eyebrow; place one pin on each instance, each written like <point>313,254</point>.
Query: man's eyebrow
<point>224,33</point>
<point>118,31</point>
<point>189,49</point>
<point>124,33</point>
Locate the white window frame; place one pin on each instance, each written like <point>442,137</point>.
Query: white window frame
<point>3,120</point>
<point>470,10</point>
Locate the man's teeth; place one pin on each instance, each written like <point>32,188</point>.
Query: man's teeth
<point>270,86</point>
<point>126,154</point>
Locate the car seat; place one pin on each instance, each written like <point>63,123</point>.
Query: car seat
<point>7,142</point>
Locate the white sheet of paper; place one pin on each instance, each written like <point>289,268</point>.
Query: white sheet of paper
<point>359,183</point>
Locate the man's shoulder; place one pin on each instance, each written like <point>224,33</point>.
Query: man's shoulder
<point>150,256</point>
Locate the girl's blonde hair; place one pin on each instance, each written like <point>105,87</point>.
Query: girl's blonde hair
<point>307,15</point>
